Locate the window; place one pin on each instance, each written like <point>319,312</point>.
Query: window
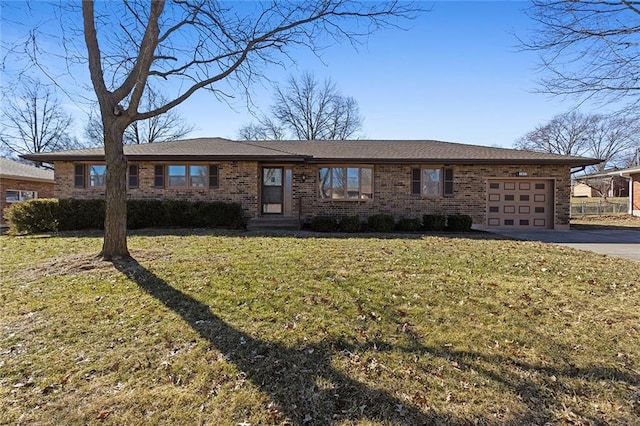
<point>177,176</point>
<point>346,183</point>
<point>15,196</point>
<point>186,176</point>
<point>97,175</point>
<point>133,176</point>
<point>432,182</point>
<point>198,176</point>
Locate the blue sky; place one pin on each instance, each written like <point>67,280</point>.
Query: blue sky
<point>455,74</point>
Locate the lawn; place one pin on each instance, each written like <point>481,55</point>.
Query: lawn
<point>620,221</point>
<point>230,329</point>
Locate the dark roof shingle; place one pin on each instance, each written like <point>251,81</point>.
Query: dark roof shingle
<point>374,151</point>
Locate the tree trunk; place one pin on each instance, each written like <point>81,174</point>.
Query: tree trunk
<point>115,223</point>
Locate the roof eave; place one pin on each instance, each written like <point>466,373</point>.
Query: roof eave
<point>27,178</point>
<point>573,162</point>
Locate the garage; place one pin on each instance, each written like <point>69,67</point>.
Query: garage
<point>520,203</point>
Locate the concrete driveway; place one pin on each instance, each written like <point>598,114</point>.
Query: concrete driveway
<point>615,242</point>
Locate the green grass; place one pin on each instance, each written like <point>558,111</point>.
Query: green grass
<point>207,328</point>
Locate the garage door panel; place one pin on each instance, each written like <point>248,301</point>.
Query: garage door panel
<point>526,203</point>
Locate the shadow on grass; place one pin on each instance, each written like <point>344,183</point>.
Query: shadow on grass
<point>289,376</point>
<point>308,390</point>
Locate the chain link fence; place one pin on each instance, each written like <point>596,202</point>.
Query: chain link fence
<point>599,206</point>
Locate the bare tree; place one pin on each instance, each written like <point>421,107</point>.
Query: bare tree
<point>565,134</point>
<point>33,121</point>
<point>609,138</point>
<point>195,45</point>
<point>307,109</point>
<point>591,48</point>
<point>264,129</point>
<point>165,127</point>
<point>614,139</point>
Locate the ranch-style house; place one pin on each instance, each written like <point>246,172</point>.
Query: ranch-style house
<point>497,187</point>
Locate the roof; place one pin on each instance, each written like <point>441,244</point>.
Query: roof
<point>14,170</point>
<point>363,151</point>
<point>625,172</point>
<point>607,173</point>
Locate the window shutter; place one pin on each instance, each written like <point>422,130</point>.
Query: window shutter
<point>79,176</point>
<point>415,182</point>
<point>448,183</point>
<point>158,176</point>
<point>133,176</point>
<point>213,177</point>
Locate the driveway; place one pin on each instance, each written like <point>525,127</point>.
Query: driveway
<point>614,242</point>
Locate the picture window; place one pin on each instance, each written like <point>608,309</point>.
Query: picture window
<point>345,183</point>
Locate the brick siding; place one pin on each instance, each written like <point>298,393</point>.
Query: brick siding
<point>240,182</point>
<point>44,190</point>
<point>635,208</point>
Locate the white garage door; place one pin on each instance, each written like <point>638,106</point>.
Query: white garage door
<point>520,203</point>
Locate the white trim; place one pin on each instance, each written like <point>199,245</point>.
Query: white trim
<point>20,198</point>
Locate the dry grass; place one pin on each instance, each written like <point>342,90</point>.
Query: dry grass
<point>229,329</point>
<point>606,222</point>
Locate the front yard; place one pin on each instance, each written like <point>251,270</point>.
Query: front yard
<point>208,328</point>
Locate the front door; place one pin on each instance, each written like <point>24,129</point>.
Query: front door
<point>272,190</point>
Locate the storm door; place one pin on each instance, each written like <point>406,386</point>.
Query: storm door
<point>272,190</point>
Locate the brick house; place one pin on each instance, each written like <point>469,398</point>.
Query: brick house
<point>605,184</point>
<point>300,179</point>
<point>632,175</point>
<point>19,182</point>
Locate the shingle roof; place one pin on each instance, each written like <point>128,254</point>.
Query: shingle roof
<point>374,151</point>
<point>14,170</point>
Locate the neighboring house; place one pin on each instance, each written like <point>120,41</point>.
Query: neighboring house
<point>632,176</point>
<point>582,190</point>
<point>605,184</point>
<point>20,182</point>
<point>497,187</point>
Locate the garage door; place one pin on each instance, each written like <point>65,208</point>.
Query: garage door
<point>520,203</point>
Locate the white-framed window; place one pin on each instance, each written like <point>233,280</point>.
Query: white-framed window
<point>346,183</point>
<point>15,195</point>
<point>432,182</point>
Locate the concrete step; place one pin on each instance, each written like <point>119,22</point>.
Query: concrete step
<point>270,223</point>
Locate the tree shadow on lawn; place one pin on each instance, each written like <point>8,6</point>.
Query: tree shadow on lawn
<point>308,390</point>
